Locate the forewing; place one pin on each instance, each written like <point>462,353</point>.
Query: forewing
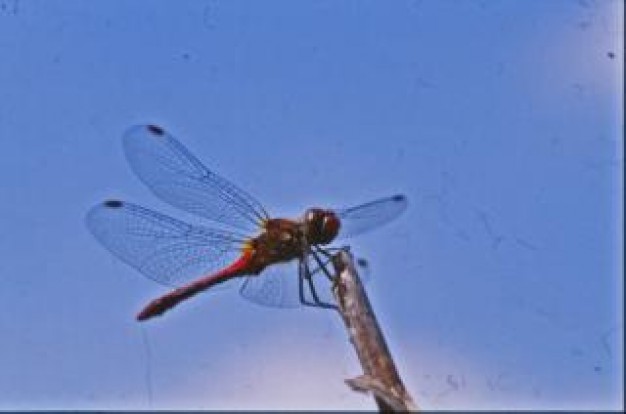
<point>164,249</point>
<point>177,177</point>
<point>368,216</point>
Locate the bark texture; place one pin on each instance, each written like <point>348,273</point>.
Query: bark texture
<point>380,376</point>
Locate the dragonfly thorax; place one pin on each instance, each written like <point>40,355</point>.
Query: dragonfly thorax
<point>281,240</point>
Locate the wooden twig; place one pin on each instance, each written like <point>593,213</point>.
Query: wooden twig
<point>380,375</point>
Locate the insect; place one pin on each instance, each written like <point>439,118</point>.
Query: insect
<point>194,258</point>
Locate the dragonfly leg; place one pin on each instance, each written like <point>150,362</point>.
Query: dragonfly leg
<point>305,274</point>
<point>329,252</point>
<point>322,265</point>
<point>361,263</point>
<point>302,275</point>
<point>301,283</point>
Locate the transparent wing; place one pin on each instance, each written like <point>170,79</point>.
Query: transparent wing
<point>164,249</point>
<point>177,177</point>
<point>277,286</point>
<point>368,216</point>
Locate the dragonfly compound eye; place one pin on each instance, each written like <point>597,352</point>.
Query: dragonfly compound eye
<point>310,216</point>
<point>314,221</point>
<point>330,227</point>
<point>322,226</point>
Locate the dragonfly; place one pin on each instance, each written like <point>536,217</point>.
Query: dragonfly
<point>246,242</point>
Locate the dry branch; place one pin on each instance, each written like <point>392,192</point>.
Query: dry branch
<point>380,375</point>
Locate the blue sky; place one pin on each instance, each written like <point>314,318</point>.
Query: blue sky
<point>500,287</point>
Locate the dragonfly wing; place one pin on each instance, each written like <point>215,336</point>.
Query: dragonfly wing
<point>177,177</point>
<point>368,216</point>
<point>276,286</point>
<point>164,249</point>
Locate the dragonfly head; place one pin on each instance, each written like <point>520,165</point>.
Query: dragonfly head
<point>321,225</point>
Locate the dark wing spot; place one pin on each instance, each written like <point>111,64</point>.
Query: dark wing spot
<point>361,262</point>
<point>156,130</point>
<point>113,203</point>
<point>399,198</point>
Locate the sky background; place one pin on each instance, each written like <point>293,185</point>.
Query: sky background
<point>499,287</point>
